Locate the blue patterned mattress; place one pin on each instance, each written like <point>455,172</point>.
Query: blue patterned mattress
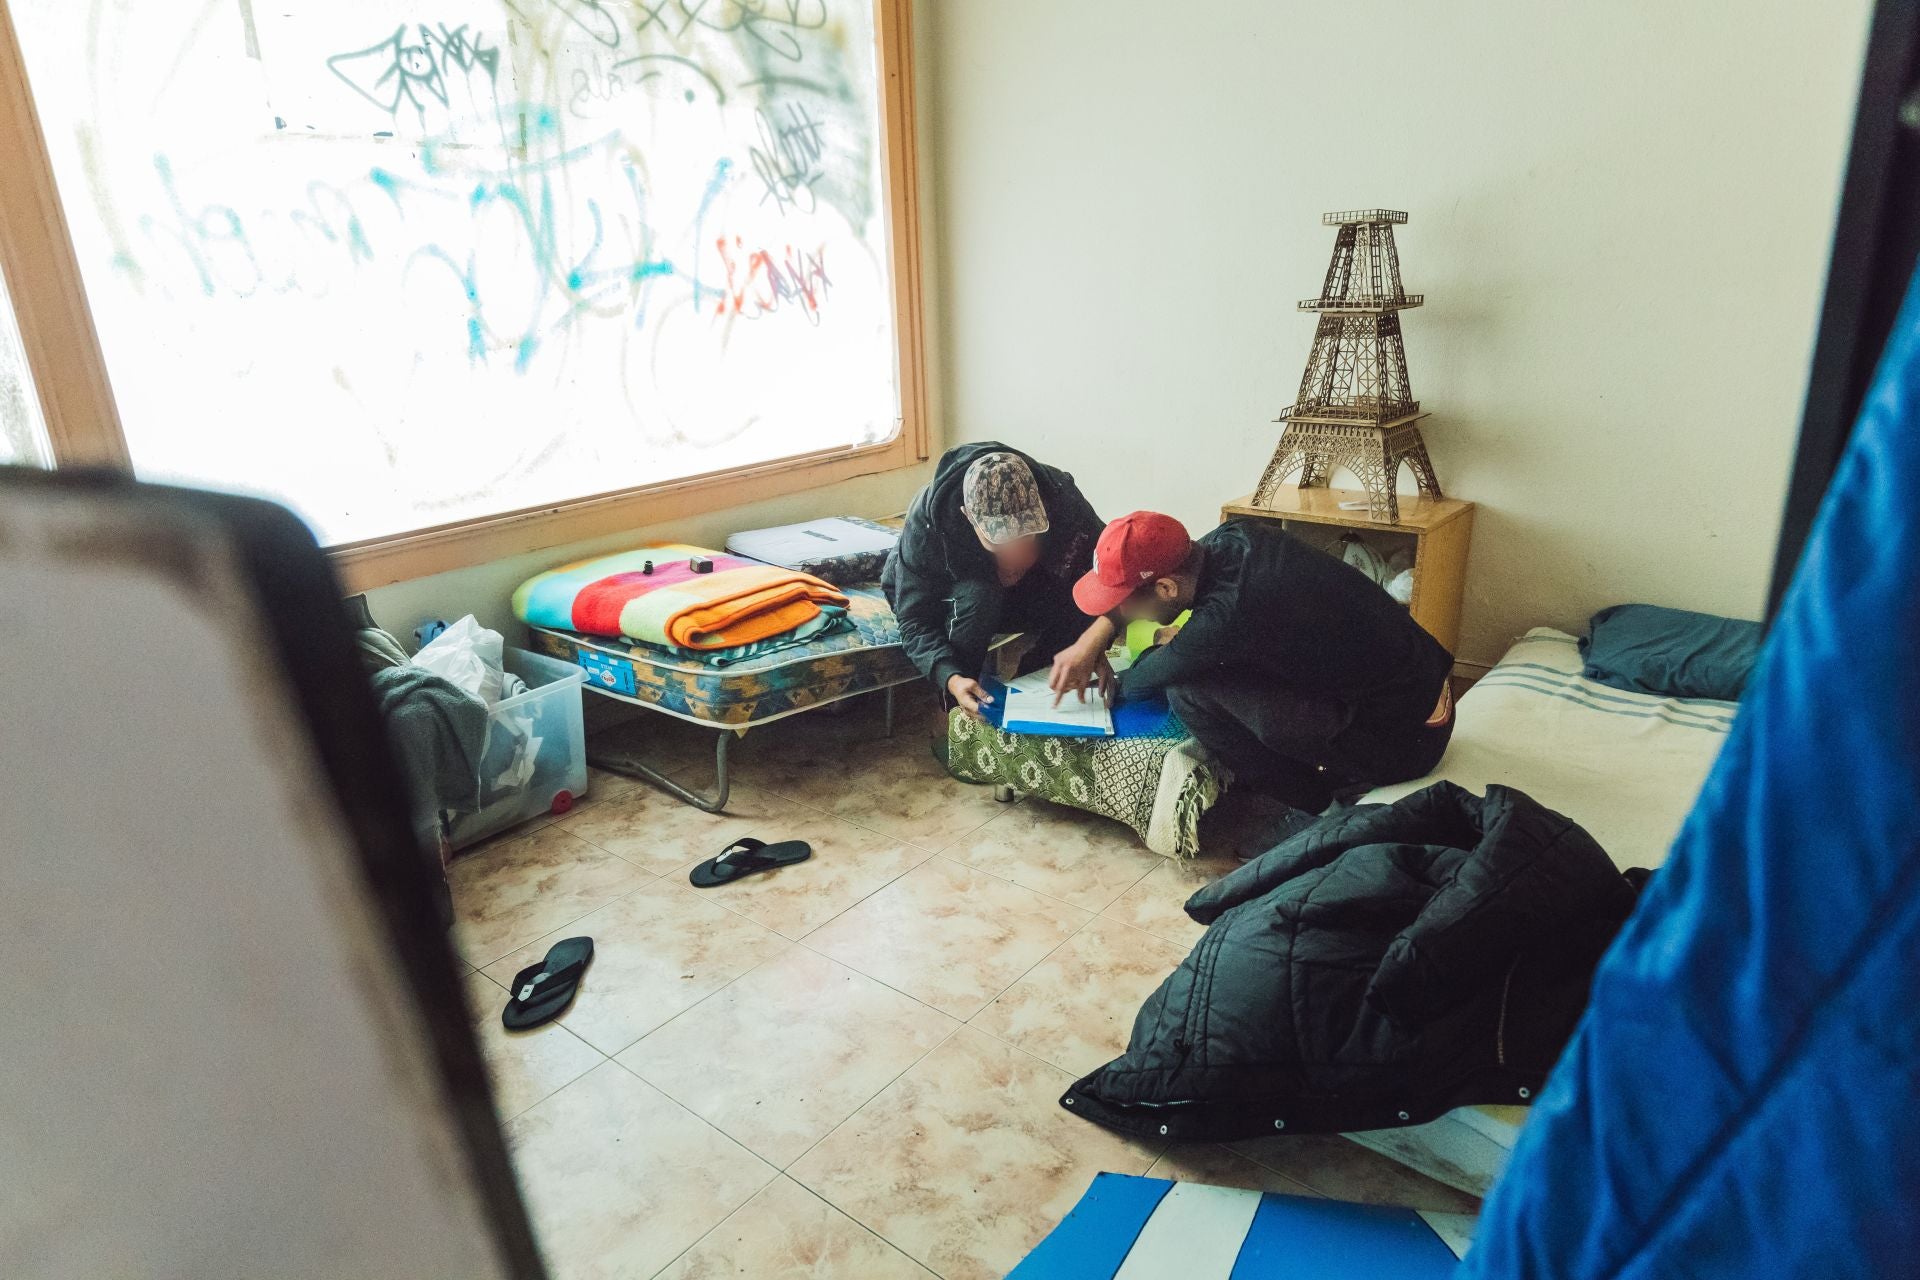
<point>753,690</point>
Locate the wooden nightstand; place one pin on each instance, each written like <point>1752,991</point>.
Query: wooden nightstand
<point>1438,528</point>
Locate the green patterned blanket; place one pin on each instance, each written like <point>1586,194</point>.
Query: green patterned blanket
<point>1159,785</point>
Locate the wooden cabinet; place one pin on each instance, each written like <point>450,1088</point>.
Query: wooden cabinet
<point>1439,530</point>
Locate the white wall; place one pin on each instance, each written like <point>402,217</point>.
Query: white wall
<point>1620,216</point>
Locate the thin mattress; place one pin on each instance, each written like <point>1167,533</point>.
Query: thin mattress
<point>753,690</point>
<point>1626,766</point>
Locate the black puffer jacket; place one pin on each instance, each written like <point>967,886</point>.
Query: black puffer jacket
<point>1378,969</point>
<point>942,584</point>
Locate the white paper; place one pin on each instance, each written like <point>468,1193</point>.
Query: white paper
<point>1032,682</point>
<point>1028,707</point>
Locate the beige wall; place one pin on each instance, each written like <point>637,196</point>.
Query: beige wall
<point>1620,217</point>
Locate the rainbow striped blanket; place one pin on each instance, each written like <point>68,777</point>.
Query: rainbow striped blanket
<point>741,602</point>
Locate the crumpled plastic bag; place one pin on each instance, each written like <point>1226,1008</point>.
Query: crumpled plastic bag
<point>467,656</point>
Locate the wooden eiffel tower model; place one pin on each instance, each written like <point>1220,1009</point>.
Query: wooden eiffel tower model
<point>1355,409</point>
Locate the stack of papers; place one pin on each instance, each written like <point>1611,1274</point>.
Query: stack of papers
<point>1030,709</point>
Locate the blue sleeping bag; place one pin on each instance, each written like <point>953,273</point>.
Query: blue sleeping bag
<point>1743,1097</point>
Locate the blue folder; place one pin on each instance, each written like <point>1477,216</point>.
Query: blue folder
<point>1140,718</point>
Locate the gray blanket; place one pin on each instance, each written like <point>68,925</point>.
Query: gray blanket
<point>439,733</point>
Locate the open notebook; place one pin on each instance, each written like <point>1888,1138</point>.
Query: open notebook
<point>1030,709</point>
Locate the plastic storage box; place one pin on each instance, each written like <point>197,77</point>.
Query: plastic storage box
<point>536,754</point>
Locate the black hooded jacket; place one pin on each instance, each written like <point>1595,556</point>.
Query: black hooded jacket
<point>1272,610</point>
<point>1376,970</point>
<point>942,584</point>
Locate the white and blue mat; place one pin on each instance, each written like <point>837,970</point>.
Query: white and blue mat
<point>1128,1228</point>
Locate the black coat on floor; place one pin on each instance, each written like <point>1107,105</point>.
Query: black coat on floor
<point>1378,969</point>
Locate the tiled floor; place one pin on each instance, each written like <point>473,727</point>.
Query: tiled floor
<point>847,1068</point>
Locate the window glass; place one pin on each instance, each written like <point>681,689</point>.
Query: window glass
<point>23,432</point>
<point>401,265</point>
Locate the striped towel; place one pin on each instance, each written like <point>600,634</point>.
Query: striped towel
<point>739,603</point>
<point>1128,1228</point>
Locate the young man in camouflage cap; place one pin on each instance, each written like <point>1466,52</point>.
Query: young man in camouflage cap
<point>993,544</point>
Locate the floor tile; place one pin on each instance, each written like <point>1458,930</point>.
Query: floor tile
<point>1076,857</point>
<point>508,836</point>
<point>604,785</point>
<point>916,704</point>
<point>1076,1007</point>
<point>968,1159</point>
<point>507,895</point>
<point>948,935</point>
<point>819,758</point>
<point>788,1233</point>
<point>619,1179</point>
<point>525,1066</point>
<point>1344,1170</point>
<point>932,813</point>
<point>847,865</point>
<point>787,1052</point>
<point>907,754</point>
<point>663,833</point>
<point>920,712</point>
<point>810,768</point>
<point>656,952</point>
<point>1157,902</point>
<point>1216,1166</point>
<point>916,709</point>
<point>662,742</point>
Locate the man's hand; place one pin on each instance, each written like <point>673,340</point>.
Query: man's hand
<point>1165,634</point>
<point>1076,667</point>
<point>968,695</point>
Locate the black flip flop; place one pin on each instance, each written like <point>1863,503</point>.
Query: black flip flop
<point>542,992</point>
<point>745,857</point>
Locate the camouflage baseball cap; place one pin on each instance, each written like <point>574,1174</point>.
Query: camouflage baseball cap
<point>1002,499</point>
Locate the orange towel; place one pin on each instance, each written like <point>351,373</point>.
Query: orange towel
<point>730,607</point>
<point>752,614</point>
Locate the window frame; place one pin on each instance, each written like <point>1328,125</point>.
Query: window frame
<point>69,372</point>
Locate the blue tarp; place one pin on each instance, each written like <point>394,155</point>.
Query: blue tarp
<point>1137,1227</point>
<point>1743,1098</point>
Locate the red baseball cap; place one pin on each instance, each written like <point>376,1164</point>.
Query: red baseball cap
<point>1132,550</point>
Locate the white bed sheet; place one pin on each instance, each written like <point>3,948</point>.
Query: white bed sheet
<point>1626,766</point>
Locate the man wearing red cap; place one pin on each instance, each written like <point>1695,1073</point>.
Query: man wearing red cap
<point>1296,670</point>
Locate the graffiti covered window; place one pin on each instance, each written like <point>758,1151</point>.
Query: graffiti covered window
<point>403,265</point>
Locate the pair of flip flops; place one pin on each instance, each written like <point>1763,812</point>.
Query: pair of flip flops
<point>542,992</point>
<point>745,857</point>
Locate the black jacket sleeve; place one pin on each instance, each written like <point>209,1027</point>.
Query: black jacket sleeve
<point>921,596</point>
<point>1197,651</point>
